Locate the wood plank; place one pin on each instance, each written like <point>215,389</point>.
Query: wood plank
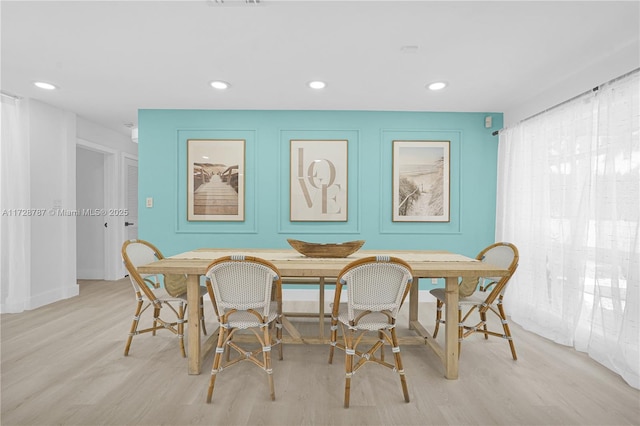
<point>63,364</point>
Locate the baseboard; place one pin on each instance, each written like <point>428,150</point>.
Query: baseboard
<point>90,274</point>
<point>35,301</point>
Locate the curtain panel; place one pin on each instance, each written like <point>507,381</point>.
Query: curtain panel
<point>569,199</point>
<point>14,199</point>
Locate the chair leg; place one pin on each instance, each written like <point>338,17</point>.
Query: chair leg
<point>266,359</point>
<point>460,330</point>
<point>156,315</point>
<point>204,328</point>
<point>438,317</point>
<point>217,360</point>
<point>399,366</point>
<point>381,338</point>
<point>227,349</point>
<point>483,318</point>
<point>350,352</point>
<point>507,331</point>
<point>278,325</point>
<point>181,312</point>
<point>134,326</point>
<point>278,322</point>
<point>334,336</point>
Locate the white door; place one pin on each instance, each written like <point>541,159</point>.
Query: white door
<point>131,188</point>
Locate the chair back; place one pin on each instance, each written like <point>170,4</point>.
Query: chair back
<point>243,282</point>
<point>503,255</point>
<point>136,253</point>
<point>376,283</point>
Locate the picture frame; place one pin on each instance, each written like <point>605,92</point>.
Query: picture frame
<point>421,181</point>
<point>318,180</point>
<point>215,179</point>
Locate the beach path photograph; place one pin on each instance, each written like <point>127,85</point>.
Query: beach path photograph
<point>216,190</point>
<point>421,181</point>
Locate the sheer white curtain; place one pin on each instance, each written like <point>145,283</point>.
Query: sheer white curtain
<point>14,196</point>
<point>569,198</point>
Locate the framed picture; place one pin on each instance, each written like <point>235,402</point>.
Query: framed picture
<point>215,180</point>
<point>318,185</point>
<point>421,181</point>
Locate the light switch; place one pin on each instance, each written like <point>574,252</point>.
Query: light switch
<point>149,202</point>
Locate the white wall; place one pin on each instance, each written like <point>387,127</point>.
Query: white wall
<point>46,247</point>
<point>52,145</point>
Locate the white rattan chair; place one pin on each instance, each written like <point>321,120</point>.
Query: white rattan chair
<point>150,293</point>
<point>483,295</point>
<point>376,289</point>
<point>247,295</point>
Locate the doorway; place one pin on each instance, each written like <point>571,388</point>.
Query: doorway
<point>90,201</point>
<point>100,184</point>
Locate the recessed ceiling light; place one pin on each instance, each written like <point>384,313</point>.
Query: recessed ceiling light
<point>43,85</point>
<point>220,85</point>
<point>317,84</point>
<point>409,48</point>
<point>438,85</point>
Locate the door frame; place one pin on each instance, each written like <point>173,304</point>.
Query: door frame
<point>123,202</point>
<point>112,188</point>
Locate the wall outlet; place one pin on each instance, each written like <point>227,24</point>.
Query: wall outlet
<point>434,281</point>
<point>149,202</point>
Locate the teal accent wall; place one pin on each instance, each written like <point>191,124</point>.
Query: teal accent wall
<point>162,152</point>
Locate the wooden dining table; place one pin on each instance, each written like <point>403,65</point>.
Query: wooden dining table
<point>424,263</point>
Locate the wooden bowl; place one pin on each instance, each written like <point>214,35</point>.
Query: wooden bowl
<point>326,249</point>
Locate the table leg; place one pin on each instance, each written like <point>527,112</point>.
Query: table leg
<point>193,324</point>
<point>321,308</point>
<point>451,328</point>
<point>413,302</point>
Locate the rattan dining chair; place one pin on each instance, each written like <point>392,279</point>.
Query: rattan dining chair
<point>247,295</point>
<point>483,294</point>
<point>376,288</point>
<point>149,292</point>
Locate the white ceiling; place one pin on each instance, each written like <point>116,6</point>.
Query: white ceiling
<point>111,58</point>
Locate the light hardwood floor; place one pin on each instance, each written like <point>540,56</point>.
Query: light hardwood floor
<point>63,364</point>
